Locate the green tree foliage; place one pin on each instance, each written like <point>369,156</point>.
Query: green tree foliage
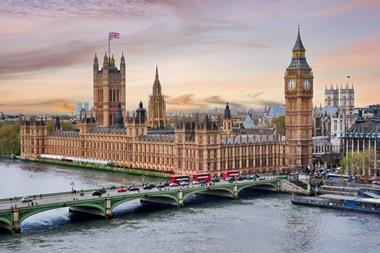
<point>280,125</point>
<point>357,162</point>
<point>10,138</point>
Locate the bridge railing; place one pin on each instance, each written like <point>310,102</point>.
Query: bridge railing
<point>45,195</point>
<point>55,194</point>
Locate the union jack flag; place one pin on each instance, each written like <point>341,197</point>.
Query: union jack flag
<point>113,35</point>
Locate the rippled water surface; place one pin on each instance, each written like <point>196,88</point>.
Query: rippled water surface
<point>257,222</point>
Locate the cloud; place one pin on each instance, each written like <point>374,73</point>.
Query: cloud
<point>59,105</point>
<point>185,101</point>
<point>218,101</point>
<point>360,55</point>
<point>190,102</point>
<point>54,56</point>
<point>65,107</point>
<point>347,7</point>
<point>255,95</point>
<point>90,9</point>
<point>265,102</point>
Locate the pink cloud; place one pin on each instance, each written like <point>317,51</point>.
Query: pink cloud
<point>362,55</point>
<point>347,7</point>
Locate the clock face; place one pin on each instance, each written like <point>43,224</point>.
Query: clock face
<point>292,85</point>
<point>306,85</point>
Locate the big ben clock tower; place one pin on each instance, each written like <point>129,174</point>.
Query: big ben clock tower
<point>298,109</point>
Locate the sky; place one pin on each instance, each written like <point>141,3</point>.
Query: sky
<point>207,52</point>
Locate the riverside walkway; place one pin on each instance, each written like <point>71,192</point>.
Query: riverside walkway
<point>13,211</point>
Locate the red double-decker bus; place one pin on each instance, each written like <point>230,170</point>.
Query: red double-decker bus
<point>233,173</point>
<point>205,176</point>
<point>178,179</point>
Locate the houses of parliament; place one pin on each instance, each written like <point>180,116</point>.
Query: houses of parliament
<point>192,144</point>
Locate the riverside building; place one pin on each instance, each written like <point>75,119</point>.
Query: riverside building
<point>195,144</point>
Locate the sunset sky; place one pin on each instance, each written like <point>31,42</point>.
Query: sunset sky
<point>207,52</point>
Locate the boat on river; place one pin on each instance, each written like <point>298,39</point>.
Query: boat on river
<point>342,202</point>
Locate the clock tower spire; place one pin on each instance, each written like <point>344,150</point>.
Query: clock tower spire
<point>298,108</point>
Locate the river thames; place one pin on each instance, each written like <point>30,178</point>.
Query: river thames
<point>257,222</point>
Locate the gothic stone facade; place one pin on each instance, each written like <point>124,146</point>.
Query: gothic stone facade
<point>196,144</point>
<point>109,90</point>
<point>190,148</point>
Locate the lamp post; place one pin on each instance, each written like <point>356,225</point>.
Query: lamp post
<point>72,186</point>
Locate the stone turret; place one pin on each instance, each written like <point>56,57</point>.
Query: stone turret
<point>119,122</point>
<point>33,134</point>
<point>227,121</point>
<point>157,105</point>
<point>109,91</point>
<point>57,125</point>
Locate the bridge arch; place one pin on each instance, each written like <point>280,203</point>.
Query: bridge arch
<point>207,190</point>
<point>25,215</point>
<point>5,223</point>
<point>128,198</point>
<point>271,186</point>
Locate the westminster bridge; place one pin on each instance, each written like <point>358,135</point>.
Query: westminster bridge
<point>13,211</point>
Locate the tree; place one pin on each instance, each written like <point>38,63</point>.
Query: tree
<point>10,138</point>
<point>356,163</point>
<point>280,125</point>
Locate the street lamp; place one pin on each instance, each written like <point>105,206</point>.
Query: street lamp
<point>72,186</point>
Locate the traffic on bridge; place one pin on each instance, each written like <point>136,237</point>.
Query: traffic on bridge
<point>101,202</point>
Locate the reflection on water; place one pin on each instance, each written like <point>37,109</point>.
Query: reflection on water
<point>257,222</point>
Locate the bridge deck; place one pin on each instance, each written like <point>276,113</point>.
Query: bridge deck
<point>68,197</point>
<point>13,211</point>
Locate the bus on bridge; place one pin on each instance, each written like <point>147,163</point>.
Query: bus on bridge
<point>202,177</point>
<point>231,174</point>
<point>179,180</point>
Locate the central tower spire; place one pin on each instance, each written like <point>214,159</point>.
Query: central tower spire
<point>299,59</point>
<point>298,46</point>
<point>157,106</point>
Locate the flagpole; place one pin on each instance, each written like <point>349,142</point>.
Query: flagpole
<point>109,46</point>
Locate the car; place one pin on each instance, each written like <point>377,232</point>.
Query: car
<point>166,184</point>
<point>152,185</point>
<point>102,190</point>
<point>133,188</point>
<point>241,178</point>
<point>121,189</point>
<point>159,186</point>
<point>184,183</point>
<point>195,183</point>
<point>173,184</point>
<point>112,187</point>
<point>231,180</point>
<point>215,179</point>
<point>203,182</point>
<point>148,186</point>
<point>97,193</point>
<point>26,199</point>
